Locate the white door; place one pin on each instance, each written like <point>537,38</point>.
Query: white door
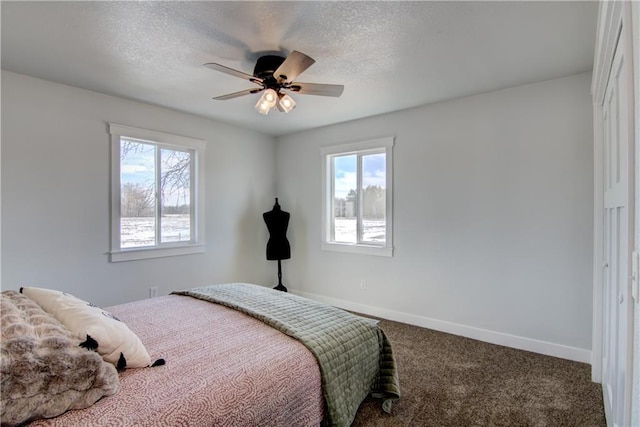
<point>617,302</point>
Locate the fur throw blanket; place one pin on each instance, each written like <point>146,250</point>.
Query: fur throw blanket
<point>44,372</point>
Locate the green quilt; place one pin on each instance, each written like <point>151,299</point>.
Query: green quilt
<point>355,356</point>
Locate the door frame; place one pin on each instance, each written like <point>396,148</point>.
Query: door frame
<point>614,23</point>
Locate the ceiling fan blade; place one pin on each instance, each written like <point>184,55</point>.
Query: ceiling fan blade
<point>317,89</point>
<point>237,94</point>
<point>293,66</point>
<point>232,72</point>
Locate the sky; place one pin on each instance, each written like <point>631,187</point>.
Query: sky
<point>138,167</point>
<point>345,167</point>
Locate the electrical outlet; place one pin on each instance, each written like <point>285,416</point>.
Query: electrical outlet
<point>153,292</point>
<point>363,285</point>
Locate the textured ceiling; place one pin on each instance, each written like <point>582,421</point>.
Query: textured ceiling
<point>388,55</point>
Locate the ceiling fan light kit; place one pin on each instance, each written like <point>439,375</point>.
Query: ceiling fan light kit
<point>271,99</point>
<point>267,101</point>
<point>275,74</point>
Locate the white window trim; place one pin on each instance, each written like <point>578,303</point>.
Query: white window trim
<point>353,147</point>
<point>185,248</point>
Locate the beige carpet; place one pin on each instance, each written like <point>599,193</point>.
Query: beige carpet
<point>448,380</point>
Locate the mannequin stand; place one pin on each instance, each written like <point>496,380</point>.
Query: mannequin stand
<point>280,286</point>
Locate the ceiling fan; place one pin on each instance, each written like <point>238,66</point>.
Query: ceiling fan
<point>275,74</point>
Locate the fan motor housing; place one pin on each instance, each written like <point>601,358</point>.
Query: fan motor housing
<point>265,67</point>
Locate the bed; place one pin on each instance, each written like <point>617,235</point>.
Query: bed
<point>230,362</point>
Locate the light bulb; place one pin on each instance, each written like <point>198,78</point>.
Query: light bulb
<point>286,103</point>
<point>270,97</point>
<point>262,107</point>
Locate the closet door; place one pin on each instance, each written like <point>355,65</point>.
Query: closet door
<point>617,227</point>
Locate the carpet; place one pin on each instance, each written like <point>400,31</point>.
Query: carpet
<point>447,380</point>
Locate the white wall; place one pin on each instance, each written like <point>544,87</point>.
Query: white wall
<point>55,195</point>
<point>493,209</point>
<point>493,201</point>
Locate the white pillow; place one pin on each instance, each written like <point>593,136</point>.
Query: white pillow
<point>80,317</point>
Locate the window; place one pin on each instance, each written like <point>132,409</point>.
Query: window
<point>357,197</point>
<point>156,194</point>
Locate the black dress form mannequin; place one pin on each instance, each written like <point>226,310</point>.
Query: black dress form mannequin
<point>278,247</point>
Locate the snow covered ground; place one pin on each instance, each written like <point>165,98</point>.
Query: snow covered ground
<point>140,231</point>
<point>374,231</point>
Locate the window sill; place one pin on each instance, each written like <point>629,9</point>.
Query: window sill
<point>148,253</point>
<point>358,249</point>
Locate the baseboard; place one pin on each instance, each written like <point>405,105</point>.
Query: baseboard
<point>493,337</point>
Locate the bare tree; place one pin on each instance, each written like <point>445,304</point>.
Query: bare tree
<point>175,171</point>
<point>136,200</point>
<point>374,202</point>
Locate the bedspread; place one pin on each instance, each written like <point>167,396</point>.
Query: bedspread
<point>354,355</point>
<point>223,368</point>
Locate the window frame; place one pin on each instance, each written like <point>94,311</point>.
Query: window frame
<point>380,145</point>
<point>167,141</point>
